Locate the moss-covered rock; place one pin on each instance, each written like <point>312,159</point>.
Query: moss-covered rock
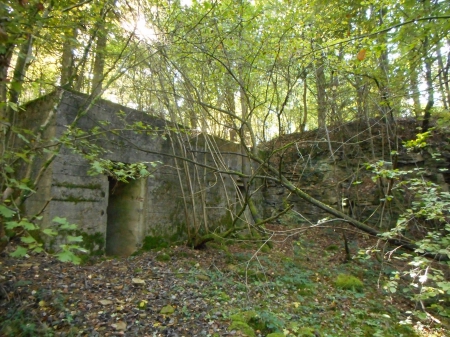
<point>349,282</point>
<point>251,318</point>
<point>244,316</point>
<point>242,327</point>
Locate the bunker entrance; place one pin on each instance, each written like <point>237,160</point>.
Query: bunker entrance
<point>124,231</point>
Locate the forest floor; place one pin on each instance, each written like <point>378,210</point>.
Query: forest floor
<point>240,289</point>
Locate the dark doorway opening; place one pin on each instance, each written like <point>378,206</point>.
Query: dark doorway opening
<point>124,232</point>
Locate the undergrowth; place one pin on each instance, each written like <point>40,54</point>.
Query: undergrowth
<point>266,295</point>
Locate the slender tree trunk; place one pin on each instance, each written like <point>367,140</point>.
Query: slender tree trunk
<point>446,77</point>
<point>5,61</point>
<point>443,79</point>
<point>430,90</point>
<point>321,93</point>
<point>67,61</point>
<point>414,86</point>
<point>305,106</point>
<point>386,108</point>
<point>231,106</point>
<point>99,61</point>
<point>22,64</point>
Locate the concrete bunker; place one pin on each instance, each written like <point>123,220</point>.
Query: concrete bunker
<point>122,214</point>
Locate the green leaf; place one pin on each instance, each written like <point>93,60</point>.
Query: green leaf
<point>6,212</point>
<point>28,225</point>
<point>68,256</point>
<point>8,169</point>
<point>143,172</point>
<point>59,220</point>
<point>68,226</point>
<point>22,186</point>
<point>74,238</point>
<point>19,252</point>
<point>38,249</point>
<point>28,239</point>
<point>12,224</point>
<point>421,315</point>
<point>81,249</point>
<point>23,138</point>
<point>12,105</point>
<point>50,232</point>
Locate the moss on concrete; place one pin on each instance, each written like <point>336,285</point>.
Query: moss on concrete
<point>75,199</point>
<point>70,185</point>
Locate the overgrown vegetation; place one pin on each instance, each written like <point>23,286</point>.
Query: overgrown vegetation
<point>245,71</point>
<point>296,296</point>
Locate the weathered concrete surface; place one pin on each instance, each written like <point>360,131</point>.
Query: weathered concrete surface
<point>179,196</point>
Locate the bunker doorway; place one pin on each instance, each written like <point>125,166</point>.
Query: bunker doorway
<point>125,216</point>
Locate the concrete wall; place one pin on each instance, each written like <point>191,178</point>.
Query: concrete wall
<point>180,194</point>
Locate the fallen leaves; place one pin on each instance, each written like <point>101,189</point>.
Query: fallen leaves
<point>135,296</point>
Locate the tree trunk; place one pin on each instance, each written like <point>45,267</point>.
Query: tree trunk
<point>443,79</point>
<point>386,109</point>
<point>321,94</point>
<point>305,106</point>
<point>22,64</point>
<point>414,86</point>
<point>99,62</point>
<point>446,77</point>
<point>67,61</point>
<point>5,61</point>
<point>430,90</point>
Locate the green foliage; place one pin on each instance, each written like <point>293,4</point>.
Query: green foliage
<point>163,257</point>
<point>6,212</point>
<point>383,169</point>
<point>242,327</point>
<point>264,321</point>
<point>93,243</point>
<point>349,282</point>
<point>425,221</point>
<point>17,323</point>
<point>420,142</point>
<point>121,171</point>
<point>60,231</point>
<point>154,243</point>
